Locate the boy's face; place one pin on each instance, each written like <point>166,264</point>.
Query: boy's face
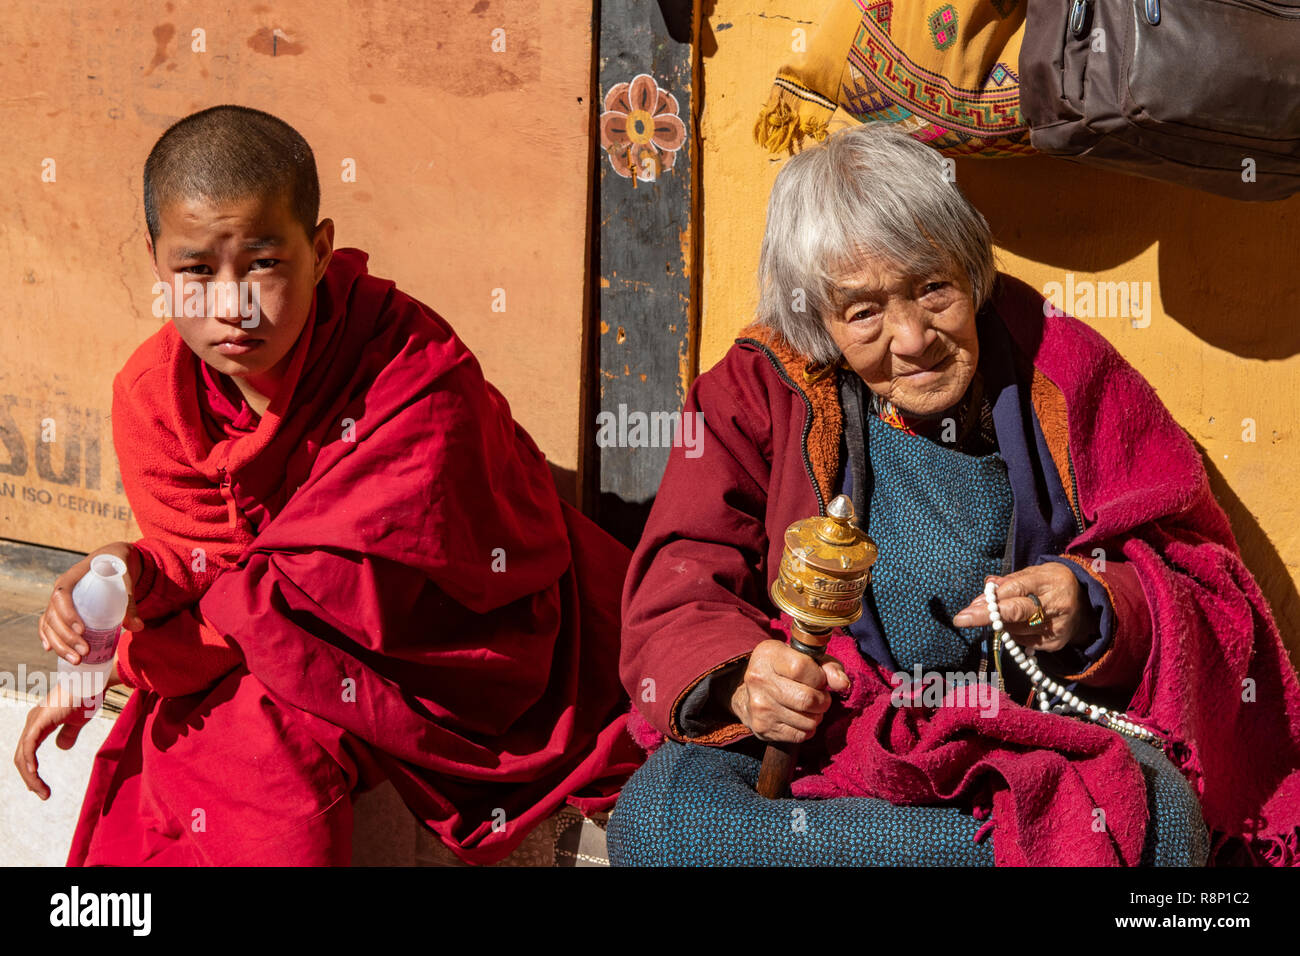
<point>257,244</point>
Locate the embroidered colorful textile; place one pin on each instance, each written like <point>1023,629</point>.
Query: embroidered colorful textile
<point>946,73</point>
<point>891,416</point>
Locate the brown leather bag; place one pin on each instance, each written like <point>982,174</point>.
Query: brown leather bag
<point>1204,93</point>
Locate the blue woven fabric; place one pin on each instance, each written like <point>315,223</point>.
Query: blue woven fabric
<point>696,806</point>
<point>940,519</point>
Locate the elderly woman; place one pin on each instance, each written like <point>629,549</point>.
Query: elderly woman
<point>984,438</point>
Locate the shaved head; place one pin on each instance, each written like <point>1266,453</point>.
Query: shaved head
<point>231,152</point>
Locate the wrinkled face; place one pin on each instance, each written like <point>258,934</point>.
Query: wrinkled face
<point>910,337</point>
<point>258,270</point>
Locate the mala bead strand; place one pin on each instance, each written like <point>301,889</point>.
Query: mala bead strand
<point>1046,688</point>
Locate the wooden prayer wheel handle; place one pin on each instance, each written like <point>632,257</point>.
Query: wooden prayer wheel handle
<point>778,768</point>
<point>779,758</point>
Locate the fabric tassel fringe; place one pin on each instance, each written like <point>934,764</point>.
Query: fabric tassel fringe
<point>786,121</point>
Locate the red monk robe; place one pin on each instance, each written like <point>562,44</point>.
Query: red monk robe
<point>376,579</point>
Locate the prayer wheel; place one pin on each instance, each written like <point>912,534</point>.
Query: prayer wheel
<point>825,568</point>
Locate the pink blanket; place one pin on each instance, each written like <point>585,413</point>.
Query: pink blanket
<point>1062,792</point>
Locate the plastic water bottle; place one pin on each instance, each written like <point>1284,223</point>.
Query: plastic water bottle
<point>100,600</point>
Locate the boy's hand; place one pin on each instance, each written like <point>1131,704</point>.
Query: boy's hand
<point>60,626</point>
<point>61,709</point>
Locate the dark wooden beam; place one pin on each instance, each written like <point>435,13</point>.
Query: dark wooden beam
<point>646,311</point>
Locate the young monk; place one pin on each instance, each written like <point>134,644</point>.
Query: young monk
<point>355,565</point>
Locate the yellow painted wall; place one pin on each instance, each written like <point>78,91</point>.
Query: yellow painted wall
<point>1223,344</point>
<point>471,176</point>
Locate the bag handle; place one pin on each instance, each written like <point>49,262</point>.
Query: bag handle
<point>1079,10</point>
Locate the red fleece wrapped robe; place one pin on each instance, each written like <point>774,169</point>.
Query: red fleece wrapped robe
<point>376,579</point>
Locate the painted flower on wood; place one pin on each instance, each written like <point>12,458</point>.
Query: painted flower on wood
<point>640,129</point>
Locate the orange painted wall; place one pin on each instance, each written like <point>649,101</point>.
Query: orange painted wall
<point>471,176</point>
<point>1223,345</point>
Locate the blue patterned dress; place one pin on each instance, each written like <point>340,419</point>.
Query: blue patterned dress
<point>940,518</point>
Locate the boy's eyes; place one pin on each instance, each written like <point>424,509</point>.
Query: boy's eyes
<point>200,269</point>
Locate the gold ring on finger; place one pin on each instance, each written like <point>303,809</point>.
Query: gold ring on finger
<point>1036,619</point>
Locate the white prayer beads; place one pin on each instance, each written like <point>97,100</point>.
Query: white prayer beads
<point>1046,688</point>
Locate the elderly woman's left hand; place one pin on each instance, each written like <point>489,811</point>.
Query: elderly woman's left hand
<point>1068,615</point>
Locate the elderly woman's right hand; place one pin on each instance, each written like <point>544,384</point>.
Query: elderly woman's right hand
<point>60,626</point>
<point>784,693</point>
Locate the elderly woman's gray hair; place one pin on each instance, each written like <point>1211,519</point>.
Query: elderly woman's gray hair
<point>867,189</point>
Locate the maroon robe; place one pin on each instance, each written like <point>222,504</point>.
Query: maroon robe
<point>375,579</point>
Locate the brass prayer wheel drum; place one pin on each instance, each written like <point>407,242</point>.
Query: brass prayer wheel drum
<point>825,568</point>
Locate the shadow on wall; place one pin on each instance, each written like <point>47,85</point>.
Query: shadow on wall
<point>1261,558</point>
<point>1221,261</point>
<point>677,17</point>
<point>1221,277</point>
<point>566,482</point>
<point>625,520</point>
